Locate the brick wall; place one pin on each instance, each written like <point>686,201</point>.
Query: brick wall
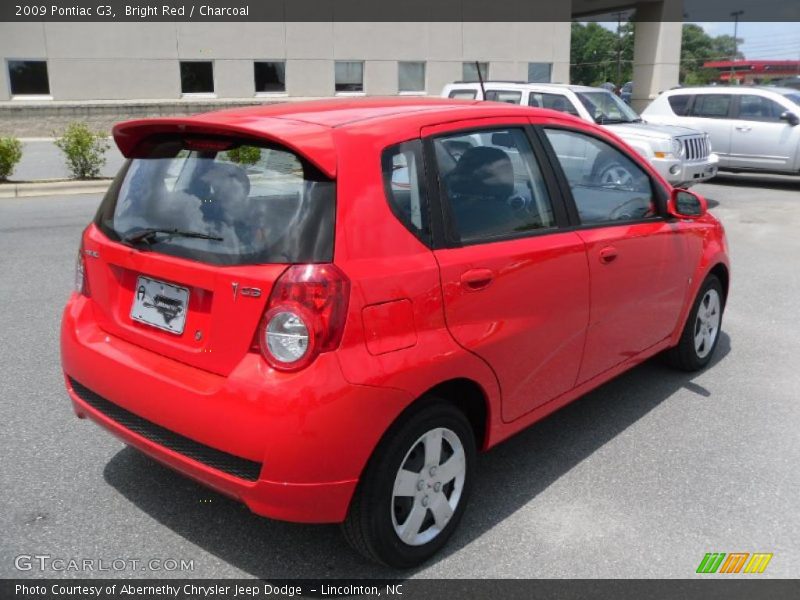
<point>46,119</point>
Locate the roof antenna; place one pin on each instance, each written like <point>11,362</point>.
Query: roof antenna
<point>480,79</point>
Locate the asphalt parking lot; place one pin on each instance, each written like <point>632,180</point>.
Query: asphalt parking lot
<point>638,479</point>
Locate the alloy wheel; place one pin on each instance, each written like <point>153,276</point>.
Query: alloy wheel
<point>428,486</point>
<point>706,326</point>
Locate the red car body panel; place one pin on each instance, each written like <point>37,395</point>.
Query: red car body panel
<point>649,276</point>
<point>556,319</point>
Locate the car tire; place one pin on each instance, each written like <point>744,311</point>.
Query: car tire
<point>403,510</point>
<point>700,335</point>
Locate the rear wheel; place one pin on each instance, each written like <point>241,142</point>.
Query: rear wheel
<point>701,332</point>
<point>415,487</point>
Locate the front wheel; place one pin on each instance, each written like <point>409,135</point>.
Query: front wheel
<point>701,332</point>
<point>415,487</point>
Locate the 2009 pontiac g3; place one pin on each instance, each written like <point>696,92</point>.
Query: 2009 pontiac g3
<point>325,309</point>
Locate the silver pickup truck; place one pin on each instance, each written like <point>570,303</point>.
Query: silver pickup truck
<point>682,155</point>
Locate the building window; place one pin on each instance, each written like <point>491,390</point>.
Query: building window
<point>540,72</point>
<point>411,77</point>
<point>197,77</point>
<point>28,78</point>
<point>470,72</point>
<point>270,76</point>
<point>349,76</point>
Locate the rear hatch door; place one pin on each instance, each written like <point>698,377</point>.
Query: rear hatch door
<point>191,237</point>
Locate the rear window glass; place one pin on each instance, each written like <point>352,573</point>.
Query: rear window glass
<point>679,103</point>
<point>222,202</point>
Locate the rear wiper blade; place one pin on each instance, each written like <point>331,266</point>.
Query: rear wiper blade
<point>147,235</point>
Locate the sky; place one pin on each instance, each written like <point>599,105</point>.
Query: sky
<point>761,40</point>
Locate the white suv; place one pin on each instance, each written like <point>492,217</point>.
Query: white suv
<point>682,155</point>
<point>750,127</point>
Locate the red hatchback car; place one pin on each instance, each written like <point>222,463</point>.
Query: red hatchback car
<point>325,309</point>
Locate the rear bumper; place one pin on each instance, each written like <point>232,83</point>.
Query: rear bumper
<point>290,447</point>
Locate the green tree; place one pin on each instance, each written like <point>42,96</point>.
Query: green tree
<point>594,54</point>
<point>698,48</point>
<point>10,155</point>
<point>245,155</point>
<point>84,150</point>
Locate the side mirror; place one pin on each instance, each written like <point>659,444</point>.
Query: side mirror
<point>686,205</point>
<point>790,118</point>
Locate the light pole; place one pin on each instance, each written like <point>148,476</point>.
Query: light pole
<point>619,50</point>
<point>735,14</point>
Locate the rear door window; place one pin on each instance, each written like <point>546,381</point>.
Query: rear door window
<point>493,186</point>
<point>711,106</point>
<point>507,96</point>
<point>222,202</point>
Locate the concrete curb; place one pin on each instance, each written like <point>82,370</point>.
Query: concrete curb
<point>53,188</point>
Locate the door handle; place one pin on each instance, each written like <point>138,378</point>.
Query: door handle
<point>476,279</point>
<point>743,128</point>
<point>608,255</point>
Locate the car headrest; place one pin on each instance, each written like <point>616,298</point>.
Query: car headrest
<point>483,171</point>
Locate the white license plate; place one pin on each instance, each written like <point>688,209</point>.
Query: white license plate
<point>160,304</point>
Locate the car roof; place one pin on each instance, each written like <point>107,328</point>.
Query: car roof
<point>516,85</point>
<point>732,89</point>
<point>338,112</point>
<point>308,127</point>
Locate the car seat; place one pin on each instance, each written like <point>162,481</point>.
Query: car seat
<point>479,187</point>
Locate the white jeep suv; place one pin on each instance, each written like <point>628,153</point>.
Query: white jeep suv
<point>682,155</point>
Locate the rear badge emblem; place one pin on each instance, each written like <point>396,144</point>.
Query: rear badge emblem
<point>252,292</point>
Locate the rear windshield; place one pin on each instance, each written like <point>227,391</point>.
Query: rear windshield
<point>222,202</point>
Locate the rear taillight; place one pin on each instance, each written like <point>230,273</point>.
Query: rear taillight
<point>81,282</point>
<point>305,316</point>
